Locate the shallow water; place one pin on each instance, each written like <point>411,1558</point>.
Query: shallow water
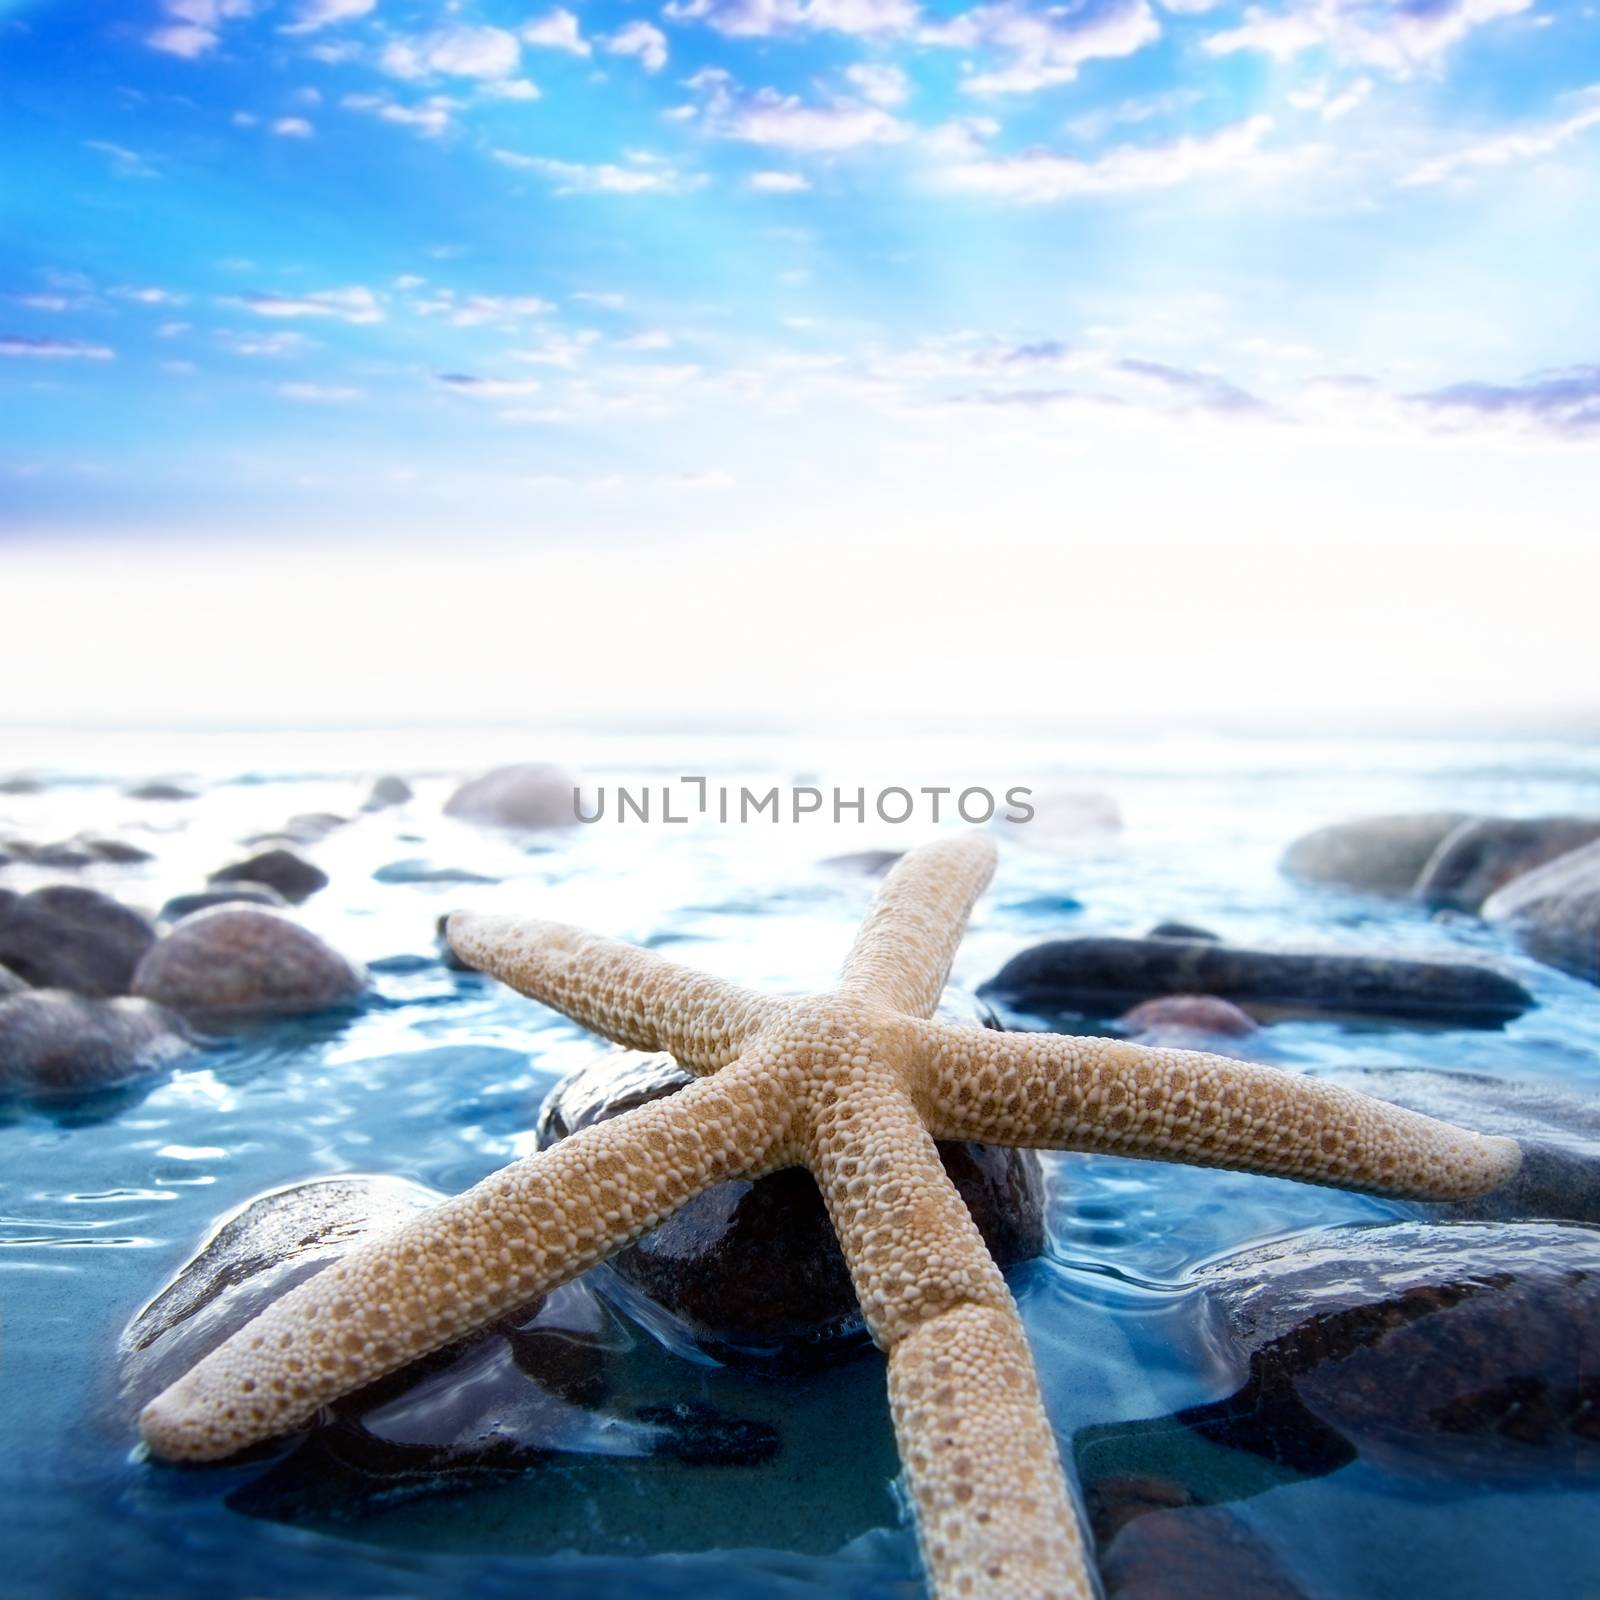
<point>440,1078</point>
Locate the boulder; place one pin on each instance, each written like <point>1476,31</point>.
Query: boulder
<point>117,851</point>
<point>1180,930</point>
<point>751,1272</point>
<point>245,961</point>
<point>1104,977</point>
<point>160,789</point>
<point>53,1042</point>
<point>385,792</point>
<point>532,794</point>
<point>66,937</point>
<point>252,894</point>
<point>1555,911</point>
<point>1380,855</point>
<point>1486,853</point>
<point>1187,1014</point>
<point>295,879</point>
<point>10,983</point>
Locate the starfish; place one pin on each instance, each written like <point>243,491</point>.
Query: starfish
<point>856,1085</point>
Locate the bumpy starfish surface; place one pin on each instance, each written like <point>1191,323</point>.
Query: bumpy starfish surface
<point>856,1085</point>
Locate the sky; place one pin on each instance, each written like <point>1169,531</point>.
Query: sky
<point>1125,359</point>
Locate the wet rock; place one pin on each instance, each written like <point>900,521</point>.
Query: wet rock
<point>66,937</point>
<point>441,943</point>
<point>532,794</point>
<point>245,961</point>
<point>1487,853</point>
<point>63,853</point>
<point>1555,910</point>
<point>295,879</point>
<point>871,863</point>
<point>160,789</point>
<point>254,894</point>
<point>1186,1014</point>
<point>1104,977</point>
<point>385,792</point>
<point>751,1272</point>
<point>117,851</point>
<point>1557,1127</point>
<point>10,983</point>
<point>1181,930</point>
<point>1380,855</point>
<point>1182,1552</point>
<point>307,827</point>
<point>20,783</point>
<point>1457,1352</point>
<point>53,1042</point>
<point>417,871</point>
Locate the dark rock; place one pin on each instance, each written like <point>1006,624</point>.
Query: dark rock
<point>64,853</point>
<point>752,1273</point>
<point>1555,910</point>
<point>66,937</point>
<point>1558,1129</point>
<point>441,942</point>
<point>245,961</point>
<point>533,794</point>
<point>1381,855</point>
<point>1188,1014</point>
<point>20,783</point>
<point>10,983</point>
<point>872,863</point>
<point>1103,977</point>
<point>387,791</point>
<point>254,894</point>
<point>53,1042</point>
<point>293,878</point>
<point>1181,930</point>
<point>160,789</point>
<point>117,851</point>
<point>1457,1352</point>
<point>1182,1551</point>
<point>305,828</point>
<point>1486,853</point>
<point>415,871</point>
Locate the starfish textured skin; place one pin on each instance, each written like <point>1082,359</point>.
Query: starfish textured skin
<point>855,1085</point>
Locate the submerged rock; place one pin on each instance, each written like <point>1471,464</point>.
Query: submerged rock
<point>1381,855</point>
<point>1558,1129</point>
<point>751,1272</point>
<point>53,1042</point>
<point>532,794</point>
<point>1175,1014</point>
<point>1555,911</point>
<point>1181,930</point>
<point>385,792</point>
<point>1103,977</point>
<point>160,789</point>
<point>66,937</point>
<point>414,870</point>
<point>245,961</point>
<point>1486,853</point>
<point>252,894</point>
<point>294,878</point>
<point>1456,1352</point>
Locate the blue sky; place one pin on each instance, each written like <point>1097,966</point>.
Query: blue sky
<point>788,276</point>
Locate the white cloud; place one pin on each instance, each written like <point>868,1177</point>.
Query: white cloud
<point>778,182</point>
<point>647,339</point>
<point>785,122</point>
<point>1329,105</point>
<point>511,89</point>
<point>1040,49</point>
<point>1505,150</point>
<point>320,393</point>
<point>149,295</point>
<point>431,118</point>
<point>315,14</point>
<point>293,128</point>
<point>563,350</point>
<point>468,383</point>
<point>1036,176</point>
<point>883,85</point>
<point>639,39</point>
<point>125,163</point>
<point>1396,39</point>
<point>355,305</point>
<point>644,175</point>
<point>195,28</point>
<point>482,310</point>
<point>461,51</point>
<point>557,30</point>
<point>752,19</point>
<point>960,139</point>
<point>269,346</point>
<point>54,349</point>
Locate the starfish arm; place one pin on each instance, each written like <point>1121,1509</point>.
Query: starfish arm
<point>902,955</point>
<point>994,1513</point>
<point>1063,1092</point>
<point>627,994</point>
<point>521,1232</point>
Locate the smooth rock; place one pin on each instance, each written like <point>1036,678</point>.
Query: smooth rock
<point>1165,1548</point>
<point>413,870</point>
<point>254,894</point>
<point>1104,977</point>
<point>1487,853</point>
<point>306,827</point>
<point>385,792</point>
<point>10,983</point>
<point>1555,911</point>
<point>245,961</point>
<point>67,937</point>
<point>160,789</point>
<point>62,853</point>
<point>295,879</point>
<point>532,794</point>
<point>1380,855</point>
<point>20,783</point>
<point>1188,1014</point>
<point>872,863</point>
<point>54,1042</point>
<point>1557,1127</point>
<point>1181,930</point>
<point>1461,1353</point>
<point>751,1273</point>
<point>117,851</point>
